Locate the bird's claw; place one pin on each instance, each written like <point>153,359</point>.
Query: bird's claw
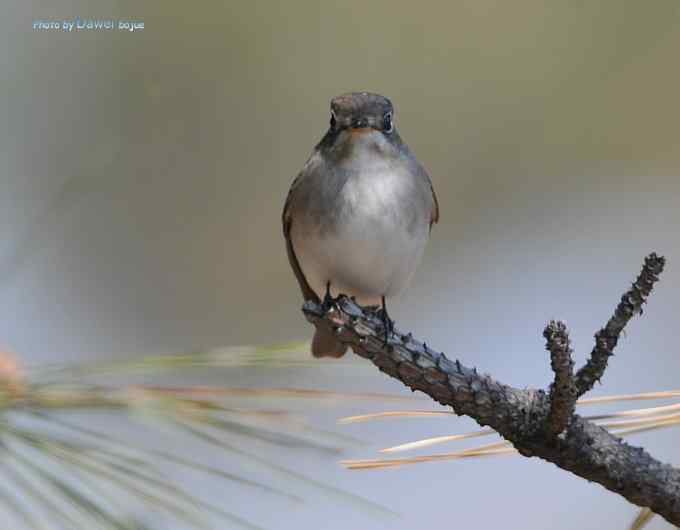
<point>328,300</point>
<point>388,323</point>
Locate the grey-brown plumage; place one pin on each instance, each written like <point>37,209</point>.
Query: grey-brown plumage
<point>359,214</point>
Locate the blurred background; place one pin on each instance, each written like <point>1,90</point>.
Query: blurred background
<point>143,176</point>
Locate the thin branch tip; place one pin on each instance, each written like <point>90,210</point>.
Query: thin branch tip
<point>607,338</point>
<point>563,393</point>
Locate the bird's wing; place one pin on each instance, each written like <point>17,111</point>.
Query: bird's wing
<point>324,344</point>
<point>434,213</point>
<point>287,222</point>
<point>434,216</point>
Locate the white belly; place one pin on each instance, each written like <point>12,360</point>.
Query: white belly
<point>371,252</point>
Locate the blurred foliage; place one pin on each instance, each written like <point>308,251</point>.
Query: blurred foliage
<point>59,472</point>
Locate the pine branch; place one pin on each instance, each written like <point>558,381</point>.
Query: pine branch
<point>529,419</point>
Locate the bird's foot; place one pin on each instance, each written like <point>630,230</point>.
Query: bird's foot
<point>328,300</point>
<point>388,323</point>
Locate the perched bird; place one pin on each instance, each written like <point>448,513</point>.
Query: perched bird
<point>359,213</point>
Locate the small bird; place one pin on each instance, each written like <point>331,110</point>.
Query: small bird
<point>359,213</point>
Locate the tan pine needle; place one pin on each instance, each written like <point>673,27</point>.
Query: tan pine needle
<point>643,517</point>
<point>650,427</point>
<point>419,444</point>
<point>640,422</point>
<point>271,392</point>
<point>394,414</point>
<point>664,394</point>
<point>492,449</point>
<point>650,411</point>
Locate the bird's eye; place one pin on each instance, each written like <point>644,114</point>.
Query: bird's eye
<point>387,123</point>
<point>333,120</point>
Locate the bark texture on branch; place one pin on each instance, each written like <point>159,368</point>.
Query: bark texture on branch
<point>522,416</point>
<point>562,395</point>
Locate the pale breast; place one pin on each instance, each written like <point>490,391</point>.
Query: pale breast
<point>368,237</point>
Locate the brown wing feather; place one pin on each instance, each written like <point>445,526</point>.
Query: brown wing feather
<point>287,222</point>
<point>434,216</point>
<point>323,343</point>
<point>307,291</point>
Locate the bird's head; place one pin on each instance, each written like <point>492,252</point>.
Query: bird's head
<point>360,123</point>
<point>362,112</point>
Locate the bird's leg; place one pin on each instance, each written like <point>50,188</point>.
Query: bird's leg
<point>388,324</point>
<point>327,299</point>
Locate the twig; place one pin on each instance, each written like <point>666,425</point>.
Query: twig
<point>607,338</point>
<point>562,393</point>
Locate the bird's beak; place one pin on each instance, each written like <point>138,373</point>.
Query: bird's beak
<point>360,126</point>
<point>360,130</point>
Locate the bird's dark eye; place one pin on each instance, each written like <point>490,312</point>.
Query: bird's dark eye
<point>333,121</point>
<point>387,123</point>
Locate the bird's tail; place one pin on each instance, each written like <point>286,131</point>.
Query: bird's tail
<point>324,344</point>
